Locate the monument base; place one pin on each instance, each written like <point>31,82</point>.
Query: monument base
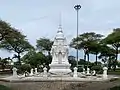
<point>60,69</point>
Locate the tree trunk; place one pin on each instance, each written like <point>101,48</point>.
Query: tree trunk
<point>96,59</point>
<point>49,57</point>
<point>88,58</point>
<point>85,57</point>
<point>19,60</point>
<point>109,63</point>
<point>116,57</point>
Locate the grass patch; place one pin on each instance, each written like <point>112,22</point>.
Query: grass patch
<point>116,72</point>
<point>2,87</point>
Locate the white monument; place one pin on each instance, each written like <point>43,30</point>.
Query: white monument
<point>59,52</point>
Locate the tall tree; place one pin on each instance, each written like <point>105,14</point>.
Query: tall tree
<point>113,40</point>
<point>18,44</point>
<point>84,41</point>
<point>107,54</point>
<point>45,44</point>
<point>95,48</point>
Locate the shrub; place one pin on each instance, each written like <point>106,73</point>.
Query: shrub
<point>23,68</point>
<point>97,68</point>
<point>80,69</point>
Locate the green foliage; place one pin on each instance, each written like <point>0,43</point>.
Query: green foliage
<point>18,44</point>
<point>107,54</point>
<point>3,63</point>
<point>2,87</point>
<point>97,68</point>
<point>87,42</point>
<point>82,62</point>
<point>72,61</point>
<point>6,31</point>
<point>80,69</point>
<point>44,44</point>
<point>113,39</point>
<point>35,59</point>
<point>23,68</point>
<point>106,51</point>
<point>48,59</point>
<point>84,40</point>
<point>118,64</point>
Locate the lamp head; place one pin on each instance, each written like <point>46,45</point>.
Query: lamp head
<point>77,7</point>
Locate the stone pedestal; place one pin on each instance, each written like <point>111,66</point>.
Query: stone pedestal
<point>105,72</point>
<point>88,71</point>
<point>14,72</point>
<point>26,74</point>
<point>83,71</point>
<point>36,71</point>
<point>60,69</point>
<point>44,72</point>
<point>75,72</point>
<point>93,72</point>
<point>31,72</point>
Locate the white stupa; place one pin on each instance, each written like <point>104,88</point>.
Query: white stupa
<point>59,51</point>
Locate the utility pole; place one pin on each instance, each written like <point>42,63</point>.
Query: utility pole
<point>77,8</point>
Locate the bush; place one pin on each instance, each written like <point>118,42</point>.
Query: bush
<point>23,68</point>
<point>97,68</point>
<point>80,69</point>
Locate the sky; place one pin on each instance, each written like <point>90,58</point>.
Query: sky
<point>40,18</point>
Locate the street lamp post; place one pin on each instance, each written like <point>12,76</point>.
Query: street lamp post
<point>77,8</point>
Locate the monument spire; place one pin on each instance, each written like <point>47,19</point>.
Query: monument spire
<point>60,23</point>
